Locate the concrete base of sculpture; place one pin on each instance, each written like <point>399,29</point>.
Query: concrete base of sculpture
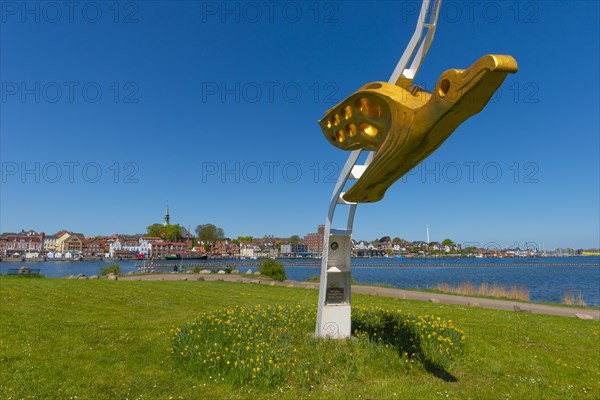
<point>334,319</point>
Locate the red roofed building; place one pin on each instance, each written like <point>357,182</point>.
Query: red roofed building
<point>23,243</point>
<point>161,249</point>
<point>94,247</point>
<point>3,240</point>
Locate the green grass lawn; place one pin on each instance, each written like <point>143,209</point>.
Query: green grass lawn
<point>98,339</point>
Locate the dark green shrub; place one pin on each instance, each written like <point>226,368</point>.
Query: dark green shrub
<point>115,269</point>
<point>231,268</point>
<point>314,278</point>
<point>272,269</point>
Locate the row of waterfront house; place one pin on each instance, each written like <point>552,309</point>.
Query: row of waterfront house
<point>69,245</point>
<point>66,244</point>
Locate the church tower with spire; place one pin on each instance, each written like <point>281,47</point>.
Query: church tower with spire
<point>167,217</point>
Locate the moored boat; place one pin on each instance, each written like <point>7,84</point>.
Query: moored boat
<point>179,257</point>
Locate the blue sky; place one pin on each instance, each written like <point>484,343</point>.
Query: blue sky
<point>108,112</point>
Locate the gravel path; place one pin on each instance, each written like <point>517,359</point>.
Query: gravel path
<point>388,292</point>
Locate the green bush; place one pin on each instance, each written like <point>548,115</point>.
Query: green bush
<point>115,269</point>
<point>272,269</point>
<point>314,278</point>
<point>231,268</point>
<point>317,279</point>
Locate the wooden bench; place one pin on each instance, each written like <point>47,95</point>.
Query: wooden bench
<point>23,271</point>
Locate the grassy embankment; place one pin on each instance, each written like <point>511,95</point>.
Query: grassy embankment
<point>103,339</point>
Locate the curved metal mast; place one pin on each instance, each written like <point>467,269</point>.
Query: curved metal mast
<point>403,76</point>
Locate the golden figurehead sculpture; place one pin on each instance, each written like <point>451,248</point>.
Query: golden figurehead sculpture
<point>404,124</point>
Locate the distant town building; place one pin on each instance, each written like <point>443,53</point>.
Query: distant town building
<point>314,241</point>
<point>293,249</point>
<point>21,244</point>
<point>70,242</point>
<point>3,240</point>
<point>50,242</point>
<point>167,220</point>
<point>144,244</point>
<point>187,237</point>
<point>248,250</point>
<point>94,247</point>
<point>161,249</point>
<point>266,252</point>
<point>131,246</point>
<point>226,249</point>
<point>366,249</point>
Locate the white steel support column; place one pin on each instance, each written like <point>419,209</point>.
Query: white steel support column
<point>334,313</point>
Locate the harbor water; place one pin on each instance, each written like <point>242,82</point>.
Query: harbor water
<point>546,279</point>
